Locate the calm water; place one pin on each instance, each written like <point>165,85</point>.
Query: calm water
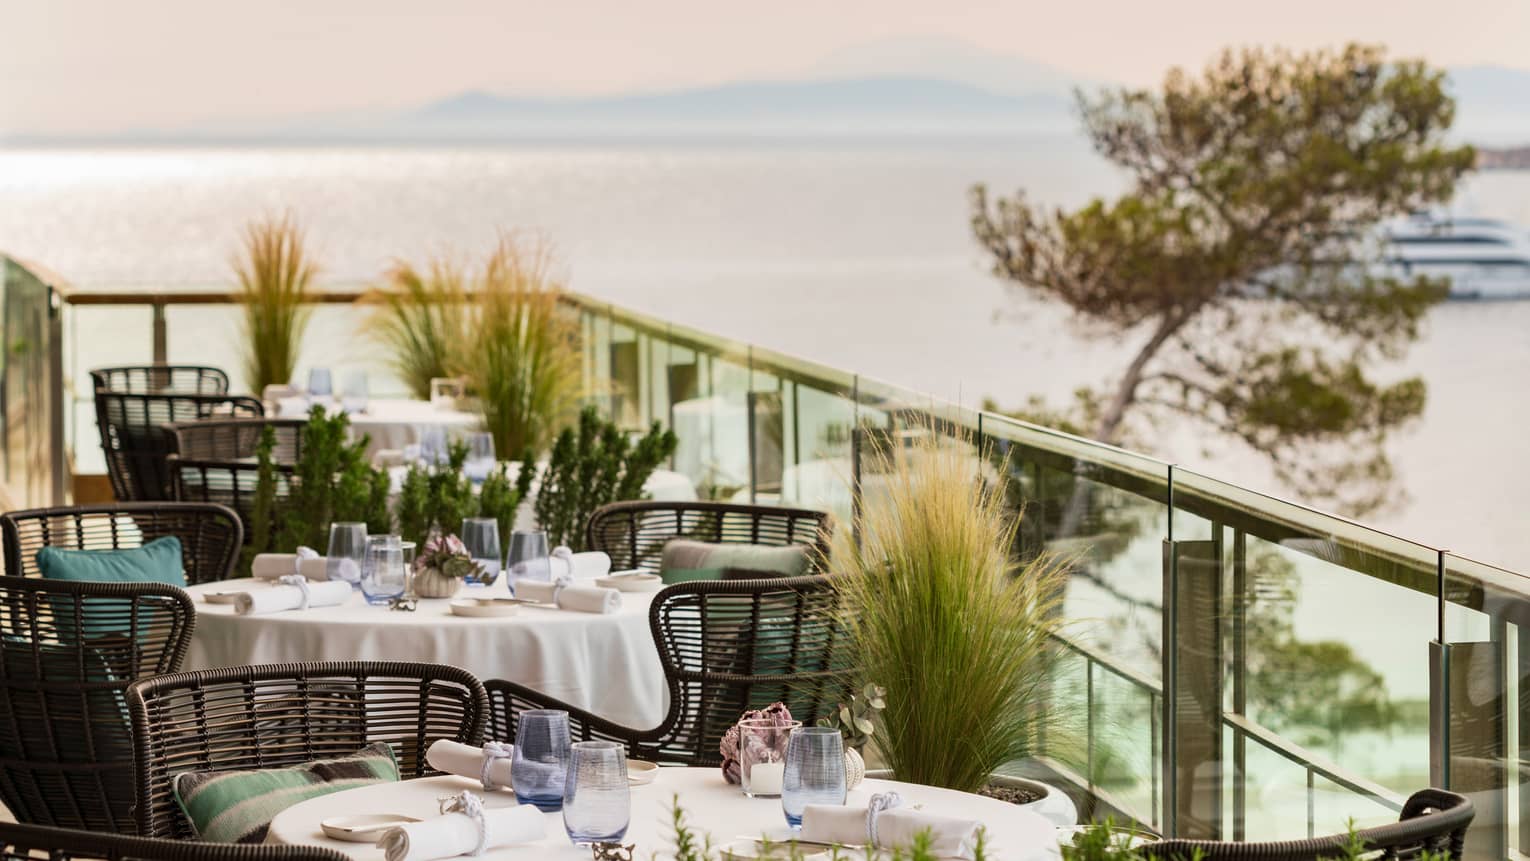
<point>856,254</point>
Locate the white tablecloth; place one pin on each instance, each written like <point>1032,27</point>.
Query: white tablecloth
<point>393,423</point>
<point>604,663</point>
<point>711,805</point>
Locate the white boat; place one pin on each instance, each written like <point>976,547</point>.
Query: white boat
<point>1484,258</point>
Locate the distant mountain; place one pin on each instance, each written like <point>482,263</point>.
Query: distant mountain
<point>889,104</point>
<point>947,59</point>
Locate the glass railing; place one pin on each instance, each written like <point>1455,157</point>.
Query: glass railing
<point>31,389</point>
<point>1240,667</point>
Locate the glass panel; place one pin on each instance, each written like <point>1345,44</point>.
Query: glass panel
<point>713,429</point>
<point>625,364</point>
<point>28,396</point>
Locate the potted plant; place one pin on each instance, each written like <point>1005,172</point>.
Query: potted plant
<point>856,721</point>
<point>441,568</point>
<point>943,618</point>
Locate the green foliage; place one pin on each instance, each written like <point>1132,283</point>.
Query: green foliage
<point>591,465</point>
<point>274,272</point>
<point>424,321</point>
<point>442,497</point>
<point>332,482</point>
<point>1244,258</point>
<point>946,621</point>
<point>1104,841</point>
<point>263,505</point>
<point>856,719</point>
<point>524,362</point>
<point>689,844</point>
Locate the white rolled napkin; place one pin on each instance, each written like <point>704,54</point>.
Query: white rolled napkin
<point>580,566</point>
<point>276,598</point>
<point>306,561</point>
<point>895,827</point>
<point>453,834</point>
<point>585,599</point>
<point>466,760</point>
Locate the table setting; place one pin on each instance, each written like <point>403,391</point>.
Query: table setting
<point>559,622</point>
<point>545,796</point>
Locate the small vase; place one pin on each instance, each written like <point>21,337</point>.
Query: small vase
<point>855,768</point>
<point>431,583</point>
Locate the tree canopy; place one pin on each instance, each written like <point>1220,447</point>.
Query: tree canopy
<point>1245,256</point>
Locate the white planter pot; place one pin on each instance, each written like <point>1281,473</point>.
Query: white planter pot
<point>1055,806</point>
<point>430,583</point>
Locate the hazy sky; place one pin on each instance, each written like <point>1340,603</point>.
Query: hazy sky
<point>104,65</point>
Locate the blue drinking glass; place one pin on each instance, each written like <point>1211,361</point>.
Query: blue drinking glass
<point>815,771</point>
<point>539,765</point>
<point>596,802</point>
<point>319,385</point>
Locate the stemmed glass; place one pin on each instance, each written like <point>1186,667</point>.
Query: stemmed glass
<point>347,550</point>
<point>480,460</point>
<point>383,576</point>
<point>529,556</point>
<point>815,771</point>
<point>597,804</point>
<point>433,450</point>
<point>539,764</point>
<point>354,397</point>
<point>480,535</point>
<point>319,385</point>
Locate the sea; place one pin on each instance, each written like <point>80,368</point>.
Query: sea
<point>853,252</point>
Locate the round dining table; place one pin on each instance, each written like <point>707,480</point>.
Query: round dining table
<point>606,663</point>
<point>712,807</point>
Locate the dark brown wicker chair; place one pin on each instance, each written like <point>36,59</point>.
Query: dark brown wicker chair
<point>68,651</point>
<point>1431,819</point>
<point>31,842</point>
<point>633,534</point>
<point>726,646</point>
<point>162,379</point>
<point>135,441</point>
<point>210,534</point>
<point>214,461</point>
<point>278,715</point>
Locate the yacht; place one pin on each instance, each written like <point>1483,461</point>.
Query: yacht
<point>1485,258</point>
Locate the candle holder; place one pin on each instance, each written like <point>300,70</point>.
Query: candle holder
<point>762,755</point>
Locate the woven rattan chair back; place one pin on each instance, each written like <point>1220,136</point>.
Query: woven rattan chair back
<point>135,440</point>
<point>726,646</point>
<point>215,461</point>
<point>633,534</point>
<point>276,715</point>
<point>32,842</point>
<point>162,379</point>
<point>210,535</point>
<point>1432,820</point>
<point>68,651</point>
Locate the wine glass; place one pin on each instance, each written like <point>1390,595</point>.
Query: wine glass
<point>815,771</point>
<point>383,575</point>
<point>539,764</point>
<point>433,449</point>
<point>529,557</point>
<point>319,385</point>
<point>480,460</point>
<point>347,550</point>
<point>597,804</point>
<point>355,394</point>
<point>481,537</point>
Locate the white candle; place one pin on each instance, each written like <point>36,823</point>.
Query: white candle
<point>765,778</point>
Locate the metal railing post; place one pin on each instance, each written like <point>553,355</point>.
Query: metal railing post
<point>161,336</point>
<point>58,398</point>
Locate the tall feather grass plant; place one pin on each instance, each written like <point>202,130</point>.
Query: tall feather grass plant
<point>944,618</point>
<point>423,321</point>
<point>274,272</point>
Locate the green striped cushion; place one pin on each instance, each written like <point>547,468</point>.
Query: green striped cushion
<point>238,806</point>
<point>685,560</point>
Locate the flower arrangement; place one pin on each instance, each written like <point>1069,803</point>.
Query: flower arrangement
<point>728,747</point>
<point>442,566</point>
<point>856,719</point>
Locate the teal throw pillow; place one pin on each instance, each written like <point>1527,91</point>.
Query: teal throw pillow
<point>238,806</point>
<point>685,560</point>
<point>158,561</point>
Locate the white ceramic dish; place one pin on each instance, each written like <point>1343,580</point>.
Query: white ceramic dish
<point>484,607</point>
<point>640,773</point>
<point>363,827</point>
<point>632,583</point>
<point>220,597</point>
<point>747,849</point>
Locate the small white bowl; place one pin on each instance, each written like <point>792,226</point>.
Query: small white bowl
<point>220,597</point>
<point>641,773</point>
<point>363,827</point>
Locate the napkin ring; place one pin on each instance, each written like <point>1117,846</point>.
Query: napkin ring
<point>471,806</point>
<point>493,750</point>
<point>879,802</point>
<point>301,583</point>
